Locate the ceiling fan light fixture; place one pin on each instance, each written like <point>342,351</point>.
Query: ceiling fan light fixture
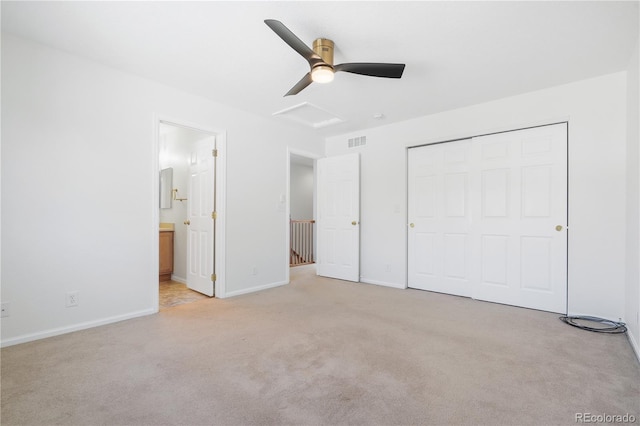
<point>322,74</point>
<point>320,59</point>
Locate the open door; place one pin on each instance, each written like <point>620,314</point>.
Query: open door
<point>338,222</point>
<point>201,218</point>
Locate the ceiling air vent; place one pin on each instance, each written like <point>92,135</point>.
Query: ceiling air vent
<point>359,141</point>
<point>309,114</point>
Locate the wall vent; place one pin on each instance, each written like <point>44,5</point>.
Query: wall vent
<point>359,141</point>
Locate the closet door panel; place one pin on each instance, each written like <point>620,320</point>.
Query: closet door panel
<point>487,217</point>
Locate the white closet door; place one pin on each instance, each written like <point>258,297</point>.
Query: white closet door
<point>521,249</point>
<point>439,216</point>
<point>338,221</point>
<point>487,218</point>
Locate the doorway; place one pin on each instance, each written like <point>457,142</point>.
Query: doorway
<point>301,230</point>
<point>190,211</point>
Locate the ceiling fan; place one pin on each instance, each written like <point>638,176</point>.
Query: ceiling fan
<point>320,60</point>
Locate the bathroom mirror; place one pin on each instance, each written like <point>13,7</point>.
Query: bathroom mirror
<point>166,185</point>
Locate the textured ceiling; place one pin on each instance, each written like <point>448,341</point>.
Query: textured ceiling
<point>456,53</point>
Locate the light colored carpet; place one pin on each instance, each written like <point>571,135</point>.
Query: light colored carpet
<point>323,352</point>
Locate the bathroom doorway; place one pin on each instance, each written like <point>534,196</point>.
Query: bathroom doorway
<point>189,215</point>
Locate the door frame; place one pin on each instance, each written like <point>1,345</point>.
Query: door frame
<point>287,228</point>
<point>560,120</point>
<point>220,200</point>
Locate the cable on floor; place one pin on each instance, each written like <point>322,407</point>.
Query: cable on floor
<point>605,326</point>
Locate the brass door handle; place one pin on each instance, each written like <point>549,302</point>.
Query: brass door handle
<point>354,223</point>
<point>187,222</point>
<point>559,228</point>
<point>412,225</point>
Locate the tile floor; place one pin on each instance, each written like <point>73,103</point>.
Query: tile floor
<point>173,293</point>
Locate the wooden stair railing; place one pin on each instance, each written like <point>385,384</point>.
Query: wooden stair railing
<point>301,242</point>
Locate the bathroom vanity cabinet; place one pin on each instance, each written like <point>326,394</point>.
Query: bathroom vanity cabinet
<point>166,255</point>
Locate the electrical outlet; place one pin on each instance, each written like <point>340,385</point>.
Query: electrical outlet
<point>73,298</point>
<point>4,307</point>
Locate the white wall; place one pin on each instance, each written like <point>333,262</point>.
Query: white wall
<point>596,111</point>
<point>78,180</point>
<point>632,296</point>
<point>301,192</point>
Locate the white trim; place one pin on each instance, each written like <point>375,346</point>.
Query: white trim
<point>382,283</point>
<point>178,279</point>
<point>287,216</point>
<point>491,130</point>
<point>221,221</point>
<point>634,344</point>
<point>76,327</point>
<point>256,289</point>
<point>155,214</point>
<point>302,153</point>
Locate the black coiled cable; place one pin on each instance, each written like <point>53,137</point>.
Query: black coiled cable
<point>613,326</point>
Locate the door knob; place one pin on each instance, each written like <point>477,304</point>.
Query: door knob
<point>187,222</point>
<point>412,225</point>
<point>559,228</point>
<point>354,223</point>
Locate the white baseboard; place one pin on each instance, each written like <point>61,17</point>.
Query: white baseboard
<point>254,289</point>
<point>382,283</point>
<point>75,327</point>
<point>178,279</point>
<point>634,344</point>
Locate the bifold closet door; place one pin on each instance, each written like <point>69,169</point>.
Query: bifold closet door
<point>487,218</point>
<point>440,218</point>
<point>521,244</point>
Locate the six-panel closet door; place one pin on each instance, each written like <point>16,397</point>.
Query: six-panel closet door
<point>440,218</point>
<point>487,218</point>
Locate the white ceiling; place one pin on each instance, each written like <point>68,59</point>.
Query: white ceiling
<point>456,53</point>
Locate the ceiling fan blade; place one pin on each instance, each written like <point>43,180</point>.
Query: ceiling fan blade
<point>304,82</point>
<point>372,69</point>
<point>292,40</point>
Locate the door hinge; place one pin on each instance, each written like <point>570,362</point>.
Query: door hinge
<point>214,215</point>
<point>214,152</point>
<point>213,277</point>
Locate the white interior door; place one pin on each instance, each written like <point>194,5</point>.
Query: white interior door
<point>338,222</point>
<point>440,217</point>
<point>201,235</point>
<point>522,239</point>
<point>489,218</point>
